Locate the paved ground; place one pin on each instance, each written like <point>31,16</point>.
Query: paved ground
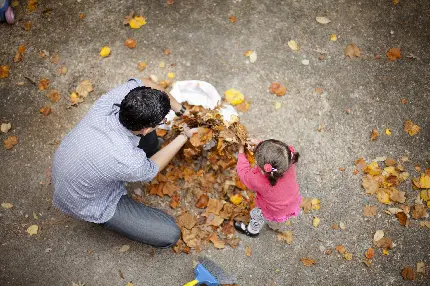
<point>206,46</point>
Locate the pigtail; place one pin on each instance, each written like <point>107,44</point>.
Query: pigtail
<point>273,178</point>
<point>295,158</point>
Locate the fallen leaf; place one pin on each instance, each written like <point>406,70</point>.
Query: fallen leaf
<point>234,97</point>
<point>186,220</point>
<point>316,222</point>
<point>421,267</point>
<point>55,59</point>
<point>127,18</point>
<point>233,19</point>
<point>383,196</point>
<point>277,88</point>
<point>74,98</point>
<point>31,230</point>
<point>27,25</point>
<point>129,284</point>
<point>84,88</point>
<point>214,206</point>
<point>203,136</point>
<point>4,71</point>
<point>373,169</point>
<point>323,20</point>
<point>171,75</point>
<point>81,16</point>
<point>425,223</point>
<point>130,43</point>
<point>384,242</point>
<point>341,249</point>
<point>167,52</point>
<point>141,66</point>
<point>124,248</point>
<point>46,110</point>
<point>31,5</point>
<point>243,107</point>
<point>370,184</point>
<point>247,53</point>
<point>217,242</point>
<point>5,127</point>
<point>53,95</point>
<point>347,256</point>
<point>404,101</point>
<point>408,273</point>
<point>236,199</point>
<point>7,205</point>
<point>202,201</point>
<point>411,128</point>
<point>137,22</point>
<point>277,105</point>
<point>387,131</point>
<point>286,236</point>
<point>378,235</point>
<point>423,182</point>
<point>43,84</point>
<point>394,54</point>
<point>253,57</point>
<point>397,196</point>
<point>395,2</point>
<point>342,225</point>
<point>308,261</point>
<point>10,141</point>
<point>374,134</point>
<point>335,226</point>
<point>333,37</point>
<point>105,51</point>
<point>370,253</point>
<point>18,57</point>
<point>248,251</point>
<point>318,90</point>
<point>162,64</point>
<point>153,77</point>
<point>351,51</point>
<point>367,262</point>
<point>62,70</point>
<point>293,45</point>
<point>402,218</point>
<point>369,211</point>
<point>418,211</point>
<point>170,2</point>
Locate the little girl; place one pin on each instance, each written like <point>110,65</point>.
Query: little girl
<point>274,181</point>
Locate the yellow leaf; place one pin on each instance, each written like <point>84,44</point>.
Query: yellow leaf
<point>236,199</point>
<point>4,71</point>
<point>315,203</point>
<point>411,128</point>
<point>383,196</point>
<point>277,105</point>
<point>387,131</point>
<point>7,205</point>
<point>129,284</point>
<point>373,169</point>
<point>247,53</point>
<point>162,64</point>
<point>234,97</point>
<point>424,182</point>
<point>347,256</point>
<point>32,229</point>
<point>74,98</point>
<point>316,222</point>
<point>287,236</point>
<point>137,22</point>
<point>105,51</point>
<point>248,251</point>
<point>293,45</point>
<point>141,66</point>
<point>333,37</point>
<point>385,251</point>
<point>425,195</point>
<point>84,88</point>
<point>171,75</point>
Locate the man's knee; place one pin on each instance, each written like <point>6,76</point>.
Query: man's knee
<point>170,236</point>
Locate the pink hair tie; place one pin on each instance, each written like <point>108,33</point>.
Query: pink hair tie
<point>267,168</point>
<point>292,153</point>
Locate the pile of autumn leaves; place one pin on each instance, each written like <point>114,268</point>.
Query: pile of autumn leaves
<point>382,178</point>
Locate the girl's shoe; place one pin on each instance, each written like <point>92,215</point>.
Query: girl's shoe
<point>243,228</point>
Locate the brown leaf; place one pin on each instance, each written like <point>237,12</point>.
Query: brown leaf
<point>186,220</point>
<point>190,236</point>
<point>318,90</point>
<point>217,242</point>
<point>31,5</point>
<point>141,66</point>
<point>397,196</point>
<point>419,211</point>
<point>27,25</point>
<point>161,132</point>
<point>286,236</point>
<point>411,128</point>
<point>278,89</point>
<point>369,211</point>
<point>243,107</point>
<point>351,51</point>
<point>175,200</point>
<point>248,251</point>
<point>55,59</point>
<point>374,134</point>
<point>81,16</point>
<point>408,273</point>
<point>360,164</point>
<point>84,88</point>
<point>170,2</point>
<point>390,162</point>
<point>10,141</point>
<point>169,189</point>
<point>62,70</point>
<point>130,43</point>
<point>233,19</point>
<point>214,206</point>
<point>202,201</point>
<point>341,249</point>
<point>43,84</point>
<point>306,205</point>
<point>370,253</point>
<point>394,54</point>
<point>307,261</point>
<point>228,228</point>
<point>370,184</point>
<point>167,52</point>
<point>4,71</point>
<point>201,137</point>
<point>46,110</point>
<point>404,100</point>
<point>214,220</point>
<point>53,95</point>
<point>127,18</point>
<point>403,219</point>
<point>18,57</point>
<point>384,242</point>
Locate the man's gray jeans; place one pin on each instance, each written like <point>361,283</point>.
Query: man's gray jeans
<point>143,224</point>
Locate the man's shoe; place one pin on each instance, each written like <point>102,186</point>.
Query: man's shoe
<point>243,228</point>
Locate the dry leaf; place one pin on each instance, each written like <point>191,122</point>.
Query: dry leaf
<point>31,230</point>
<point>384,242</point>
<point>293,45</point>
<point>408,273</point>
<point>318,90</point>
<point>43,84</point>
<point>167,52</point>
<point>74,98</point>
<point>403,219</point>
<point>5,127</point>
<point>323,20</point>
<point>218,243</point>
<point>53,95</point>
<point>419,211</point>
<point>370,253</point>
<point>171,75</point>
<point>347,256</point>
<point>369,211</point>
<point>55,59</point>
<point>10,141</point>
<point>316,222</point>
<point>404,101</point>
<point>421,267</point>
<point>7,205</point>
<point>278,89</point>
<point>31,5</point>
<point>186,220</point>
<point>397,196</point>
<point>307,261</point>
<point>370,184</point>
<point>423,182</point>
<point>131,43</point>
<point>374,134</point>
<point>141,66</point>
<point>127,18</point>
<point>104,52</point>
<point>378,235</point>
<point>248,251</point>
<point>4,71</point>
<point>341,249</point>
<point>18,57</point>
<point>287,236</point>
<point>234,97</point>
<point>333,37</point>
<point>202,201</point>
<point>411,128</point>
<point>46,110</point>
<point>137,22</point>
<point>236,199</point>
<point>214,206</point>
<point>170,2</point>
<point>27,25</point>
<point>233,19</point>
<point>351,51</point>
<point>394,54</point>
<point>124,248</point>
<point>81,16</point>
<point>62,70</point>
<point>84,88</point>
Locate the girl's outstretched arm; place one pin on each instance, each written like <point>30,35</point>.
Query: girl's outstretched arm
<point>244,171</point>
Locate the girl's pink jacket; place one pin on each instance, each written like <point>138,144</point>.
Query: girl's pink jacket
<point>278,203</point>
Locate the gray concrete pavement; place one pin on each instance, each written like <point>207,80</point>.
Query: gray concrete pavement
<point>205,45</point>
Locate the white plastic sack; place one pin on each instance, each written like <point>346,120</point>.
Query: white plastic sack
<point>196,92</point>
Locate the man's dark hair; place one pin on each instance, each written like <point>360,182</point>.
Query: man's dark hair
<point>143,107</point>
<point>278,155</point>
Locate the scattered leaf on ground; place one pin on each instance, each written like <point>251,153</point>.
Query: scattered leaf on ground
<point>141,66</point>
<point>287,236</point>
<point>186,220</point>
<point>10,141</point>
<point>384,242</point>
<point>323,20</point>
<point>167,52</point>
<point>105,51</point>
<point>43,84</point>
<point>293,45</point>
<point>403,219</point>
<point>55,59</point>
<point>130,43</point>
<point>277,88</point>
<point>387,131</point>
<point>162,64</point>
<point>236,199</point>
<point>5,127</point>
<point>18,57</point>
<point>233,19</point>
<point>137,22</point>
<point>351,51</point>
<point>347,256</point>
<point>307,261</point>
<point>62,70</point>
<point>31,230</point>
<point>411,128</point>
<point>4,71</point>
<point>124,248</point>
<point>333,37</point>
<point>370,253</point>
<point>170,2</point>
<point>53,95</point>
<point>202,202</point>
<point>84,88</point>
<point>171,75</point>
<point>378,235</point>
<point>369,211</point>
<point>421,267</point>
<point>7,205</point>
<point>318,90</point>
<point>374,134</point>
<point>243,107</point>
<point>394,54</point>
<point>278,105</point>
<point>218,243</point>
<point>27,25</point>
<point>233,96</point>
<point>46,110</point>
<point>408,273</point>
<point>248,251</point>
<point>316,222</point>
<point>341,249</point>
<point>31,5</point>
<point>418,211</point>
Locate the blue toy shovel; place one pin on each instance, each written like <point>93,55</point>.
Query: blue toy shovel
<point>209,273</point>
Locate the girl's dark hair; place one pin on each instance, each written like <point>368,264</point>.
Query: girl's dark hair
<point>143,107</point>
<point>278,155</point>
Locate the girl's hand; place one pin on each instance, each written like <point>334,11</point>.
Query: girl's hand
<point>241,149</point>
<point>251,143</point>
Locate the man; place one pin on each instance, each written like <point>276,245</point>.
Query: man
<point>103,151</point>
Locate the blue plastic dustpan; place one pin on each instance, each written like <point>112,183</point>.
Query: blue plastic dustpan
<point>203,276</point>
